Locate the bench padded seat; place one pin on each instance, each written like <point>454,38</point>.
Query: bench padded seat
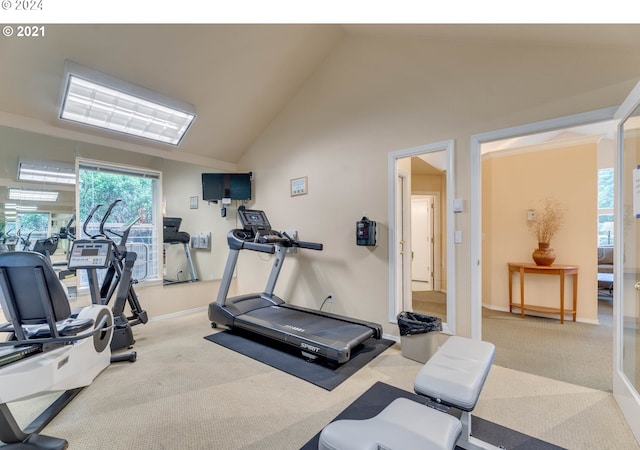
<point>455,374</point>
<point>404,424</point>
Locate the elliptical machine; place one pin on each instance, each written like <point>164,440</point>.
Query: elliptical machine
<point>118,280</point>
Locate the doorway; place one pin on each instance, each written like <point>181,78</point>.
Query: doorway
<point>476,201</point>
<point>517,177</point>
<point>625,391</point>
<point>420,248</point>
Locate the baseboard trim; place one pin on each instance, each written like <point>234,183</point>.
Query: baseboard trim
<point>178,314</point>
<point>567,317</point>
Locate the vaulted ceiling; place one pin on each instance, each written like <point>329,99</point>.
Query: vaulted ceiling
<point>239,77</point>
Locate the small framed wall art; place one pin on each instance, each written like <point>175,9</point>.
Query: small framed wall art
<point>299,186</point>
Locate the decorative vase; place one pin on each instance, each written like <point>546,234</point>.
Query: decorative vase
<point>543,255</point>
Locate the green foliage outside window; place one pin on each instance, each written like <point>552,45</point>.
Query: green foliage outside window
<point>102,185</point>
<point>33,222</point>
<point>103,188</point>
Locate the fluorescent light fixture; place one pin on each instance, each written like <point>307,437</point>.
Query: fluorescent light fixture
<point>36,196</point>
<point>12,207</point>
<point>46,171</point>
<point>94,98</point>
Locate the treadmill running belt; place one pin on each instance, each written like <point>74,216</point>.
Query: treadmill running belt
<point>323,329</point>
<point>314,334</point>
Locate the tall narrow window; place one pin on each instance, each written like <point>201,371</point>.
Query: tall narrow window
<point>139,191</point>
<point>605,207</point>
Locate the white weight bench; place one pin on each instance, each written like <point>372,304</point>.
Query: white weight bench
<point>452,378</point>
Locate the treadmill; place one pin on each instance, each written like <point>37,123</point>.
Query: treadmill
<point>171,234</point>
<point>315,333</point>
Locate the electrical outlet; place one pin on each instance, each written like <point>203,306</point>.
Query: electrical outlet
<point>330,298</point>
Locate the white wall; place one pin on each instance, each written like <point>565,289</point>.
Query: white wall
<point>376,95</point>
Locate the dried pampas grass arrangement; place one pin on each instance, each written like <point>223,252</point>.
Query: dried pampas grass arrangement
<point>548,221</point>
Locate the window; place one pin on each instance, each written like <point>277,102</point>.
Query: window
<point>32,226</point>
<point>139,192</point>
<point>605,207</point>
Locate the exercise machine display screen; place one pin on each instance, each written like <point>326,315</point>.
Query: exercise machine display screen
<point>253,219</point>
<point>90,254</point>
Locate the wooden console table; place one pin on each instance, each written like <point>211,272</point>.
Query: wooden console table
<point>558,269</point>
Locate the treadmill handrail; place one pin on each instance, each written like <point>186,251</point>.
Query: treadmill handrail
<point>308,245</point>
<point>258,247</point>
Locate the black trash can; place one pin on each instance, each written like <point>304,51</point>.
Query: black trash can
<point>419,335</point>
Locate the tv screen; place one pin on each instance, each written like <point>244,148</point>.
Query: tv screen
<point>216,186</point>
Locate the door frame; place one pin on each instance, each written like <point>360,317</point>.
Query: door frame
<point>403,233</point>
<point>475,200</point>
<point>394,263</point>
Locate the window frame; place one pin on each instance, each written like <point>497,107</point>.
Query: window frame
<point>608,211</point>
<point>136,171</point>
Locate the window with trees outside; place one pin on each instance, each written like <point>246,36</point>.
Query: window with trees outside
<point>139,191</point>
<point>31,226</point>
<point>605,207</point>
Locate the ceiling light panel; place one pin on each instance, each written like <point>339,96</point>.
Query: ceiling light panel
<point>46,171</point>
<point>97,99</point>
<point>36,196</point>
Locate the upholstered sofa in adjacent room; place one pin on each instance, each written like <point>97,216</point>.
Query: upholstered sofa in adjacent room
<point>605,268</point>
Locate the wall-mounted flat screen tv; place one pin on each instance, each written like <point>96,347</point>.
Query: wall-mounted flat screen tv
<point>235,186</point>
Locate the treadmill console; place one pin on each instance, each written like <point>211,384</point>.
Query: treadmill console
<point>90,254</point>
<point>254,220</point>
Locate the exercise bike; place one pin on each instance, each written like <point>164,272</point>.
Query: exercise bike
<point>49,348</point>
<point>118,281</point>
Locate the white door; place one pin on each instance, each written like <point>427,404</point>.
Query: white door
<point>626,371</point>
<point>403,244</point>
<point>422,240</point>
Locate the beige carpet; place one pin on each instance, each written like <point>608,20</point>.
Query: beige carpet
<point>187,393</point>
<point>576,353</point>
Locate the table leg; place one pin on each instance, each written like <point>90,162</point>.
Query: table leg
<point>575,296</point>
<point>522,292</point>
<point>561,297</point>
<point>510,290</point>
